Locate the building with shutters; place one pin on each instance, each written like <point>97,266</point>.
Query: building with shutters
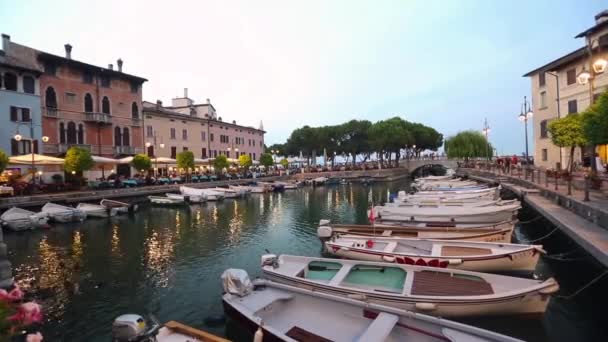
<point>187,126</point>
<point>561,77</point>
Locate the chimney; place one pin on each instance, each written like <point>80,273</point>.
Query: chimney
<point>159,104</point>
<point>6,41</point>
<point>601,17</point>
<point>110,66</point>
<point>68,51</point>
<point>119,63</point>
<point>186,93</point>
<point>208,101</point>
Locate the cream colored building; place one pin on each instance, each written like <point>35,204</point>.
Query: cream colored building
<point>185,125</point>
<point>573,96</point>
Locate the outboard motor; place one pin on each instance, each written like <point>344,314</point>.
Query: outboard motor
<point>236,281</point>
<point>270,260</point>
<point>134,328</point>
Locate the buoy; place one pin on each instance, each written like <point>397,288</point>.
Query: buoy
<point>259,335</point>
<point>369,243</point>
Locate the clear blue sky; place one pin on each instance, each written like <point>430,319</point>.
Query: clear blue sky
<point>447,64</point>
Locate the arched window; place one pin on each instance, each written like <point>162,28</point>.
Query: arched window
<point>125,137</point>
<point>117,136</point>
<point>10,81</point>
<point>105,105</point>
<point>81,134</point>
<point>61,133</point>
<point>29,85</point>
<point>134,111</point>
<point>71,138</point>
<point>50,98</point>
<point>88,103</point>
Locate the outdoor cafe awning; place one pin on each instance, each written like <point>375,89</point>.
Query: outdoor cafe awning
<point>163,160</point>
<point>39,159</point>
<point>105,161</point>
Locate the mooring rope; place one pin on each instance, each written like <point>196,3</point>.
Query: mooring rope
<point>532,220</point>
<point>543,237</point>
<point>584,287</point>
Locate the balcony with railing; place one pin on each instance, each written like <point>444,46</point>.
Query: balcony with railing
<point>51,112</point>
<point>136,122</point>
<point>100,118</point>
<point>61,148</point>
<point>118,150</point>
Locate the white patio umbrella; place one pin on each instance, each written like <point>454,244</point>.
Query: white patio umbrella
<point>38,159</point>
<point>102,162</point>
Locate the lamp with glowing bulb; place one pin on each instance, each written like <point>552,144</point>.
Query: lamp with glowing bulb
<point>583,77</point>
<point>599,66</point>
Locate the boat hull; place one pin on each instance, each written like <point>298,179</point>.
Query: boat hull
<point>250,326</point>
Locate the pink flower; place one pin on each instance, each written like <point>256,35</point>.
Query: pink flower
<point>14,295</point>
<point>27,314</point>
<point>37,337</point>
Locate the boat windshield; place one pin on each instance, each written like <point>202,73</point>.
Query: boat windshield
<point>376,278</point>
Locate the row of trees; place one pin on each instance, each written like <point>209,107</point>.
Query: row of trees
<point>361,138</point>
<point>589,128</point>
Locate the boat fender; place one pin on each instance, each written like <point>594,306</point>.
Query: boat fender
<point>455,261</point>
<point>426,306</point>
<point>324,222</point>
<point>369,244</point>
<point>259,335</point>
<point>388,258</point>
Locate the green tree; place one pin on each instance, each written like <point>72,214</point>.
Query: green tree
<point>568,132</point>
<point>468,144</point>
<point>266,159</point>
<point>185,160</point>
<point>275,147</point>
<point>595,121</point>
<point>77,159</point>
<point>220,163</point>
<point>390,136</point>
<point>284,162</point>
<point>3,160</point>
<point>141,162</point>
<point>245,161</point>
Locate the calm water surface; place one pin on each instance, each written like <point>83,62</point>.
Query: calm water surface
<point>168,261</point>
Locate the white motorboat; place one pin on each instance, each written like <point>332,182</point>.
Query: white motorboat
<point>436,178</point>
<point>451,203</point>
<point>474,197</point>
<point>436,291</point>
<point>462,255</point>
<point>63,214</point>
<point>454,192</point>
<point>166,200</point>
<point>501,232</point>
<point>18,219</point>
<point>318,181</point>
<point>279,312</point>
<point>288,185</point>
<point>256,189</point>
<point>230,193</point>
<point>240,188</point>
<point>120,207</point>
<point>133,327</point>
<point>96,210</point>
<point>188,198</point>
<point>489,214</point>
<point>211,195</point>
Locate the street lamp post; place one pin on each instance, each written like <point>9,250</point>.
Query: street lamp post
<point>525,114</point>
<point>556,75</point>
<point>486,130</point>
<point>153,143</point>
<point>19,137</point>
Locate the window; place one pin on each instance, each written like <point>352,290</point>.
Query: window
<point>88,103</point>
<point>87,77</point>
<point>544,154</point>
<point>215,153</point>
<point>203,153</point>
<point>172,135</point>
<point>228,154</point>
<point>50,98</point>
<point>571,76</point>
<point>29,85</point>
<point>185,148</point>
<point>10,81</point>
<point>173,152</point>
<point>70,98</point>
<point>543,129</point>
<point>203,136</point>
<point>134,111</point>
<point>25,115</point>
<point>20,147</point>
<point>572,107</point>
<point>80,134</point>
<point>61,133</point>
<point>134,87</point>
<point>211,137</point>
<point>125,137</point>
<point>254,156</point>
<point>71,136</point>
<point>20,114</point>
<point>105,105</point>
<point>543,99</point>
<point>14,113</point>
<point>261,143</point>
<point>184,134</point>
<point>105,81</point>
<point>149,131</point>
<point>117,136</point>
<point>253,141</point>
<point>151,151</point>
<point>50,68</point>
<point>541,79</point>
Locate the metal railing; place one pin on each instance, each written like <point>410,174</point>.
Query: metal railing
<point>124,149</point>
<point>102,118</point>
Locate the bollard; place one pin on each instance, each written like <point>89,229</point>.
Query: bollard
<point>586,199</point>
<point>532,174</point>
<point>546,181</point>
<point>538,176</point>
<point>570,186</point>
<point>555,177</point>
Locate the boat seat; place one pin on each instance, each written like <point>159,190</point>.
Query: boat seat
<point>390,247</point>
<point>387,233</point>
<point>380,328</point>
<point>342,273</point>
<point>265,298</point>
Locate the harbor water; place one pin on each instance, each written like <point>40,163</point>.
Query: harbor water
<point>168,262</point>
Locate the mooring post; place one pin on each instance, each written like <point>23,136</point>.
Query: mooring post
<point>532,174</point>
<point>569,186</point>
<point>546,180</point>
<point>555,177</point>
<point>586,199</point>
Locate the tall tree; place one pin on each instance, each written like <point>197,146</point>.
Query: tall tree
<point>468,144</point>
<point>185,160</point>
<point>568,132</point>
<point>266,160</point>
<point>245,161</point>
<point>77,159</point>
<point>141,162</point>
<point>595,121</point>
<point>3,161</point>
<point>220,163</point>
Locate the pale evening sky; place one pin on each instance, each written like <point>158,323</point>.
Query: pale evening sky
<point>447,64</point>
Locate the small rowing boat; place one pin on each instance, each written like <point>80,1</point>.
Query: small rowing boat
<point>211,195</point>
<point>96,210</point>
<point>462,255</point>
<point>63,214</point>
<point>489,214</point>
<point>437,291</point>
<point>18,219</point>
<point>451,203</point>
<point>187,198</point>
<point>279,312</point>
<point>120,207</point>
<point>165,200</point>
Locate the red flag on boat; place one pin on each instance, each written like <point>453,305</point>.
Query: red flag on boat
<point>372,216</point>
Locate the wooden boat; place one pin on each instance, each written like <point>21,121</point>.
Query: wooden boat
<point>462,255</point>
<point>490,214</point>
<point>133,327</point>
<point>173,331</point>
<point>451,203</point>
<point>63,214</point>
<point>18,219</point>
<point>96,210</point>
<point>166,200</point>
<point>279,312</point>
<point>120,207</point>
<point>187,198</point>
<point>501,232</point>
<point>437,291</point>
<point>211,195</point>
